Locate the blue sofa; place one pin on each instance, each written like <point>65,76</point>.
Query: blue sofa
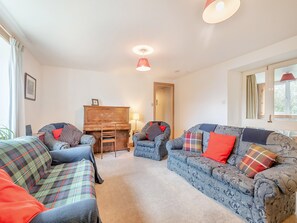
<point>63,181</point>
<point>268,197</point>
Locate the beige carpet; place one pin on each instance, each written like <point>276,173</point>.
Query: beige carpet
<point>137,190</point>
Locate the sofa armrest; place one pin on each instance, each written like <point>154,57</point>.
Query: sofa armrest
<point>283,176</point>
<point>54,144</point>
<point>87,139</point>
<point>175,144</point>
<point>75,155</point>
<point>82,211</point>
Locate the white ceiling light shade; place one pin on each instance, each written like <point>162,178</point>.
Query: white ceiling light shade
<point>217,11</point>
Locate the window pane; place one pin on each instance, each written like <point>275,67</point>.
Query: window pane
<point>285,92</point>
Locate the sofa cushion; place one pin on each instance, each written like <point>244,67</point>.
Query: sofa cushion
<point>192,141</point>
<point>256,160</point>
<point>153,131</point>
<point>183,155</point>
<point>25,159</point>
<point>233,177</point>
<point>66,184</point>
<point>71,135</point>
<point>219,147</point>
<point>146,143</point>
<point>204,164</point>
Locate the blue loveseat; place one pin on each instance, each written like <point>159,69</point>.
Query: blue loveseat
<point>63,181</point>
<point>268,197</point>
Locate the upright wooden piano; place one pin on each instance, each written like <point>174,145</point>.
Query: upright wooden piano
<point>95,116</point>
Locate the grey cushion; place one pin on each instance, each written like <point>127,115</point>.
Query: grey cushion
<point>204,164</point>
<point>146,143</point>
<point>183,155</point>
<point>71,135</point>
<point>235,178</point>
<point>153,131</point>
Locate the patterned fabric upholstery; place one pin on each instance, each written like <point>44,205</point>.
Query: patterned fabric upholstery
<point>54,144</point>
<point>146,143</point>
<point>66,184</point>
<point>25,159</point>
<point>144,149</point>
<point>269,197</point>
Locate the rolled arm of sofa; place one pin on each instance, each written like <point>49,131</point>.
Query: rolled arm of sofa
<point>82,211</point>
<point>265,191</point>
<point>175,144</point>
<point>283,176</point>
<point>87,139</point>
<point>54,144</point>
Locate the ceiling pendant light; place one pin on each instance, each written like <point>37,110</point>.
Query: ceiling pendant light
<point>143,63</point>
<point>216,11</point>
<point>288,77</point>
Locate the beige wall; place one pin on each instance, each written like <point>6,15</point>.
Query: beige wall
<point>214,94</point>
<point>33,108</point>
<point>65,91</point>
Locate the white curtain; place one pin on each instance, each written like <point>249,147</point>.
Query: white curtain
<point>16,82</point>
<point>251,97</point>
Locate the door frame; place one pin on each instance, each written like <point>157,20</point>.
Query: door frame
<point>171,86</point>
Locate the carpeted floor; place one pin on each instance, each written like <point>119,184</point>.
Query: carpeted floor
<point>137,190</point>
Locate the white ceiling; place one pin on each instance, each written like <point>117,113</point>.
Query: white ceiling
<point>99,35</point>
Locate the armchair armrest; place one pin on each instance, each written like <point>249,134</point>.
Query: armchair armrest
<point>283,176</point>
<point>87,139</point>
<point>175,144</point>
<point>54,144</point>
<point>138,136</point>
<point>82,211</point>
<point>160,139</point>
<point>75,155</point>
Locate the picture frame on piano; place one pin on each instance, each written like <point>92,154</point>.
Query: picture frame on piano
<point>95,102</point>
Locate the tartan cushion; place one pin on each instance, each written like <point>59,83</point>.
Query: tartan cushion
<point>193,142</point>
<point>66,184</point>
<point>71,135</point>
<point>25,159</point>
<point>256,160</point>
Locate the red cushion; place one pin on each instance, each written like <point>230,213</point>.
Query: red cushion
<point>163,128</point>
<point>57,133</point>
<point>16,204</point>
<point>219,147</point>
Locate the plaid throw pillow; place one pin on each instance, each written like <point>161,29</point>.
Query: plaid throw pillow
<point>193,142</point>
<point>256,160</point>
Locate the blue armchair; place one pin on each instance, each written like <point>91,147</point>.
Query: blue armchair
<point>53,144</point>
<point>156,149</point>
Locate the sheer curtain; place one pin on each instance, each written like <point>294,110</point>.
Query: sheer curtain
<point>16,84</point>
<point>251,97</point>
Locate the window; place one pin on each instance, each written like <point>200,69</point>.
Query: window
<point>285,92</point>
<point>4,82</point>
<point>271,92</point>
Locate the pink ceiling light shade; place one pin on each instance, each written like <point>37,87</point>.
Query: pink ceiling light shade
<point>143,64</point>
<point>216,11</point>
<point>288,77</point>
